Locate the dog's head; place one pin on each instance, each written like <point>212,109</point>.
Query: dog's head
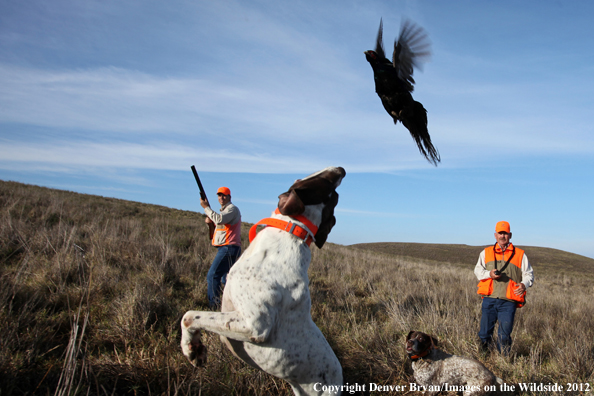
<point>418,342</point>
<point>317,188</point>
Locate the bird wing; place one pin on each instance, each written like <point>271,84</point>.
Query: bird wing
<point>411,50</point>
<point>379,44</point>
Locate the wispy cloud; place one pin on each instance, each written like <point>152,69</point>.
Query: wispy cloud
<point>62,156</point>
<point>131,119</point>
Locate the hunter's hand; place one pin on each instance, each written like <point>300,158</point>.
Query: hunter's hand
<point>204,203</point>
<point>520,289</point>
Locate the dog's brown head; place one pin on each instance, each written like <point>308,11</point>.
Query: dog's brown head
<point>318,188</point>
<point>417,343</point>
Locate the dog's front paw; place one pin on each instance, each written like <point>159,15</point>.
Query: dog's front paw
<point>192,346</point>
<point>197,355</point>
<point>194,349</point>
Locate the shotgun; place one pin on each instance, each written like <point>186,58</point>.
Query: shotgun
<point>202,193</point>
<point>211,226</point>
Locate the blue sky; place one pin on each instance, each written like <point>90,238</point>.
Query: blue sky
<point>120,98</point>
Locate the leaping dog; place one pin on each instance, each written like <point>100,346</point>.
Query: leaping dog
<point>265,317</point>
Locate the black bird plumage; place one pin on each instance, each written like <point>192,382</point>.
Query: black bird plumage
<point>394,82</point>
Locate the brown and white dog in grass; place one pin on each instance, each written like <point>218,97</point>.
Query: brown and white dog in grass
<point>436,371</point>
<point>265,317</point>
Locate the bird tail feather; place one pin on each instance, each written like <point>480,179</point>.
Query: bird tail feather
<point>415,120</point>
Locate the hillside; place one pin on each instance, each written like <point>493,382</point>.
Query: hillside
<point>94,290</point>
<point>546,260</point>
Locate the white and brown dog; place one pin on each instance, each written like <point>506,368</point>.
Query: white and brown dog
<point>265,317</point>
<point>436,371</point>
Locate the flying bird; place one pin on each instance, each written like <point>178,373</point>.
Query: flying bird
<point>394,82</point>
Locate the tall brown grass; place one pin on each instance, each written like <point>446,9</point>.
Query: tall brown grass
<point>94,290</point>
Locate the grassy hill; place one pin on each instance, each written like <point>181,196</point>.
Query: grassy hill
<point>547,260</point>
<point>93,291</point>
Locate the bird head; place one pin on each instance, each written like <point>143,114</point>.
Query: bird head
<point>371,56</point>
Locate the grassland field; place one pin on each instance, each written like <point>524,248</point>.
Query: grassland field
<point>93,290</point>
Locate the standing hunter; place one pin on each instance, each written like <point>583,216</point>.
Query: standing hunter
<point>225,231</point>
<point>504,274</point>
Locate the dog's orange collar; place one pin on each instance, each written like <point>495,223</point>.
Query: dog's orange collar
<point>420,355</point>
<point>304,233</point>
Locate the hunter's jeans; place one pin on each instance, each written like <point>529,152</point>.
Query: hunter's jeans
<point>502,311</point>
<point>217,274</point>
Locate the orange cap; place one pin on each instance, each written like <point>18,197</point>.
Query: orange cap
<point>224,190</point>
<point>502,226</point>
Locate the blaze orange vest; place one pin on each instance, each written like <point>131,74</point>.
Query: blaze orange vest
<point>504,287</point>
<point>227,234</point>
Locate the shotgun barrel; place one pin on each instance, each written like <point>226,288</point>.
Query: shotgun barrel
<point>211,226</point>
<point>202,192</point>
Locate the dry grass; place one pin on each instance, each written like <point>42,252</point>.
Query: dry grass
<point>133,269</point>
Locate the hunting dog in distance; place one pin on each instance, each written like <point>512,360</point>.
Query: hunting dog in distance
<point>436,370</point>
<point>265,317</point>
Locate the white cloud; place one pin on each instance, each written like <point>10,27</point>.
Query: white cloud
<point>73,156</point>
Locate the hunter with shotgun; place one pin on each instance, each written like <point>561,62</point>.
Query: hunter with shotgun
<point>225,235</point>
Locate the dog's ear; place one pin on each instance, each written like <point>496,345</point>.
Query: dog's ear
<point>433,341</point>
<point>328,220</point>
<point>289,204</point>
